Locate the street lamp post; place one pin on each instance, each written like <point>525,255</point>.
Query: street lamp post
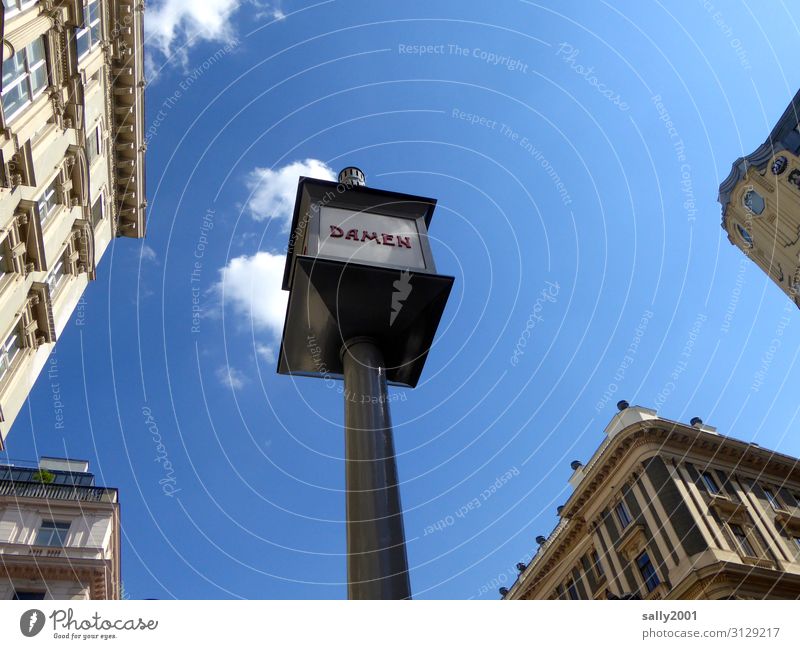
<point>364,305</point>
<point>377,566</point>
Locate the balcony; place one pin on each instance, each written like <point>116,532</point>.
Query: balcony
<point>51,551</point>
<point>788,520</point>
<point>16,489</point>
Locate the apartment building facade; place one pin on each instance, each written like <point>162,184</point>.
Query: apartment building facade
<point>760,201</point>
<point>59,533</point>
<point>71,167</point>
<point>665,510</point>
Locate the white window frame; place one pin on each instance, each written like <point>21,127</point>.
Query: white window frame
<point>55,282</point>
<point>55,533</point>
<point>17,6</point>
<point>710,483</point>
<point>96,134</point>
<point>25,77</point>
<point>50,192</point>
<point>6,362</point>
<point>623,515</point>
<point>101,198</point>
<point>772,498</point>
<point>5,257</point>
<point>88,28</point>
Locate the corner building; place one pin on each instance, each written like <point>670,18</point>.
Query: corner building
<point>71,168</point>
<point>760,201</point>
<point>665,510</point>
<point>59,533</point>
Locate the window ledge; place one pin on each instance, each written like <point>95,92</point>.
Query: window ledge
<point>758,563</point>
<point>788,520</point>
<point>631,541</point>
<point>659,592</point>
<point>725,506</point>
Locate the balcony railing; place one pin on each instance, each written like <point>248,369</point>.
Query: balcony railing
<point>57,492</point>
<point>52,551</point>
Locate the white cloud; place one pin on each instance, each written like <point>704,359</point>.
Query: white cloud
<point>252,286</point>
<point>171,24</point>
<point>274,191</point>
<point>147,253</point>
<point>267,352</point>
<point>231,377</point>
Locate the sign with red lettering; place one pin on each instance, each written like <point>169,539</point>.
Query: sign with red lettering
<point>369,238</point>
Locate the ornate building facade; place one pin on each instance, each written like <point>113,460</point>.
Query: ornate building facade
<point>760,201</point>
<point>665,510</point>
<point>59,533</point>
<point>71,167</point>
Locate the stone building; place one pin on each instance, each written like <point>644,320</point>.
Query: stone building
<point>59,533</point>
<point>760,201</point>
<point>666,510</point>
<point>71,167</point>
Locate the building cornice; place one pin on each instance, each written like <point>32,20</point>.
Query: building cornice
<point>124,54</point>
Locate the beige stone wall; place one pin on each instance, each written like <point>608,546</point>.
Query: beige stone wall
<point>775,232</point>
<point>47,141</point>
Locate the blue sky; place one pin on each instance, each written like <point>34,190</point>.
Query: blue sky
<point>568,213</point>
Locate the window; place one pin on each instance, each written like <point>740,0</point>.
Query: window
<point>94,144</point>
<point>754,202</point>
<point>52,533</point>
<point>741,540</point>
<point>797,541</point>
<point>711,484</point>
<point>647,571</point>
<point>8,352</point>
<point>15,6</point>
<point>88,37</point>
<point>28,594</point>
<point>622,515</point>
<point>47,202</point>
<point>572,590</point>
<point>745,235</point>
<point>773,501</point>
<point>598,567</point>
<point>98,210</point>
<point>6,264</point>
<point>24,77</point>
<point>55,278</point>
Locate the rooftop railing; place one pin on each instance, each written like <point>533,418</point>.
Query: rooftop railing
<point>19,489</point>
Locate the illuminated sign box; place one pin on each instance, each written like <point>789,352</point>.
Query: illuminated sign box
<point>349,246</point>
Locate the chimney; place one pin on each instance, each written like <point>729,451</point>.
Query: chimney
<point>577,473</point>
<point>352,176</point>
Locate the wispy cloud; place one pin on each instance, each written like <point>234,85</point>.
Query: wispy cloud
<point>231,377</point>
<point>266,352</point>
<point>274,190</point>
<point>147,253</point>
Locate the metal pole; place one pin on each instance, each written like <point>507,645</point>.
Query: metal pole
<point>377,567</point>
